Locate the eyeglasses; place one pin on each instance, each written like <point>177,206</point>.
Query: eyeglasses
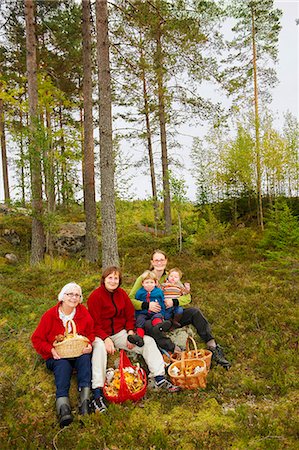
<point>159,260</point>
<point>71,294</point>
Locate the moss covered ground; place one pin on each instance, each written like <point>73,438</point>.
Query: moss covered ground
<point>252,303</point>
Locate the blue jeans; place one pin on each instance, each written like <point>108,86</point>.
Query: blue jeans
<point>170,312</point>
<point>63,369</point>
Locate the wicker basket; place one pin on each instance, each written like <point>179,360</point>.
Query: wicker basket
<point>73,344</point>
<point>203,354</point>
<point>188,373</point>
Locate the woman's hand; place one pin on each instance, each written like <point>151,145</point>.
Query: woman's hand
<point>54,353</point>
<point>110,349</point>
<point>87,349</point>
<point>154,307</point>
<point>168,303</point>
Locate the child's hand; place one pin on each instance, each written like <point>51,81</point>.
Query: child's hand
<point>154,307</point>
<point>187,286</point>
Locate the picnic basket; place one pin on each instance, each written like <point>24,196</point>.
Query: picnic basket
<point>203,354</point>
<point>73,343</point>
<point>126,392</point>
<point>188,373</point>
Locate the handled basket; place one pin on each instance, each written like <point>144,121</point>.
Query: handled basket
<point>124,393</point>
<point>188,373</point>
<point>73,343</point>
<point>203,354</point>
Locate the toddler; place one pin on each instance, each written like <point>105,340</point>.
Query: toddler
<point>173,288</point>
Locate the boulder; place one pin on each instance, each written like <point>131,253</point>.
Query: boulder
<point>70,238</point>
<point>11,236</point>
<point>11,258</point>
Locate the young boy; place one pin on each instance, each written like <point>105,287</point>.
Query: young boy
<point>149,292</point>
<point>173,288</point>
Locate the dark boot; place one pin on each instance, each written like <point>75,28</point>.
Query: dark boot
<point>162,326</point>
<point>64,413</point>
<point>136,340</point>
<point>218,356</point>
<point>176,321</point>
<point>84,406</point>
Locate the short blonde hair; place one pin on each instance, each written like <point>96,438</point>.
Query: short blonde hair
<point>148,275</point>
<point>67,288</point>
<point>175,269</point>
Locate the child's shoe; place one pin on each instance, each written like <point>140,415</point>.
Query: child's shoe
<point>136,340</point>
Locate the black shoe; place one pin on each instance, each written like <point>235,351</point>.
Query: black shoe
<point>136,340</point>
<point>163,326</point>
<point>99,405</point>
<point>218,357</point>
<point>175,325</point>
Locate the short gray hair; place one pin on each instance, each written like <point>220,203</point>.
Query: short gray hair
<point>68,287</point>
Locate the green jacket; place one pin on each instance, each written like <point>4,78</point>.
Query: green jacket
<point>184,300</point>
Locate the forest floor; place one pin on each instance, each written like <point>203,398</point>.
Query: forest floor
<point>251,302</point>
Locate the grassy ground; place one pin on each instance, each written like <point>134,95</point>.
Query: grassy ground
<point>251,303</point>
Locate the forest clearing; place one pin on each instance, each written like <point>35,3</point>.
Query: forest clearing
<point>249,293</point>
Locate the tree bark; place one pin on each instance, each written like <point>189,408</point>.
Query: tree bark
<point>38,239</point>
<point>108,211</point>
<point>257,130</point>
<point>162,121</point>
<point>91,240</point>
<point>149,145</point>
<point>3,153</point>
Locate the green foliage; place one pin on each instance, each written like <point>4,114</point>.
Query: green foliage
<point>209,235</point>
<point>282,229</point>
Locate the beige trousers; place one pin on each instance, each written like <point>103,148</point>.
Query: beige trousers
<point>149,351</point>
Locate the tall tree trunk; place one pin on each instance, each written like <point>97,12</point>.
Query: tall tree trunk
<point>162,121</point>
<point>64,183</point>
<point>3,153</point>
<point>149,146</point>
<point>91,240</point>
<point>38,240</point>
<point>49,175</point>
<point>108,211</point>
<point>257,129</point>
<point>22,159</point>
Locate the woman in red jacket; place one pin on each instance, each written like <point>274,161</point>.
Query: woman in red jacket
<point>51,325</point>
<point>113,315</point>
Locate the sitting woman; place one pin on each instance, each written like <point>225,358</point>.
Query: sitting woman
<point>51,327</point>
<point>113,315</point>
<point>190,316</point>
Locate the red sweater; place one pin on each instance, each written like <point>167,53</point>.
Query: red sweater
<point>111,311</point>
<point>51,325</point>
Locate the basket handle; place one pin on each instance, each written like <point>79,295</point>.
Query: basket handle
<point>190,338</point>
<point>73,326</point>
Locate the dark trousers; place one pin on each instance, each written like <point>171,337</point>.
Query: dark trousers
<point>63,369</point>
<point>191,316</point>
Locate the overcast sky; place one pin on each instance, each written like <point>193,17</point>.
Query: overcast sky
<point>285,95</point>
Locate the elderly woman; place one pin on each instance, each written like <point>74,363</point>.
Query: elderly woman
<point>51,325</point>
<point>190,316</point>
<point>113,315</point>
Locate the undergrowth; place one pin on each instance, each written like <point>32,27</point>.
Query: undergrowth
<point>251,303</point>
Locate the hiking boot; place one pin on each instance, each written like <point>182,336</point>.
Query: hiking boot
<point>218,357</point>
<point>136,340</point>
<point>99,405</point>
<point>84,406</point>
<point>64,411</point>
<point>166,386</point>
<point>162,326</point>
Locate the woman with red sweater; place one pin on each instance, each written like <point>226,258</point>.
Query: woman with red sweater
<point>113,315</point>
<point>51,325</point>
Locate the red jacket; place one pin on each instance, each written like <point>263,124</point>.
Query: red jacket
<point>111,311</point>
<point>51,325</point>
